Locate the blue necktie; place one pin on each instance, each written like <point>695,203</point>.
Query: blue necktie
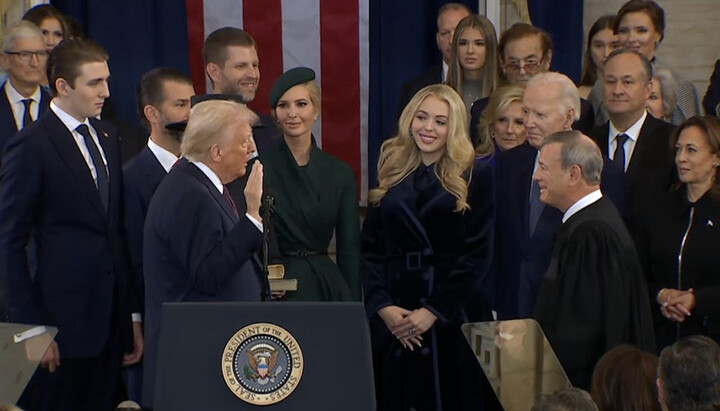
<point>27,118</point>
<point>102,177</point>
<point>619,156</point>
<point>536,206</point>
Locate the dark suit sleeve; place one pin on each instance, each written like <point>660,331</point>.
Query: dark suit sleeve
<point>372,262</point>
<point>210,255</point>
<point>453,292</point>
<point>20,191</point>
<point>134,222</point>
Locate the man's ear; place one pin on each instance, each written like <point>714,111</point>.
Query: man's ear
<point>62,86</point>
<point>215,153</point>
<point>151,113</point>
<point>213,71</point>
<point>575,174</point>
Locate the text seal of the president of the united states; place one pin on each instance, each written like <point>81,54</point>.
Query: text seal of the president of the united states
<point>262,364</point>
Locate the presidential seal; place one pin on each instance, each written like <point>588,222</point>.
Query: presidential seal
<point>262,364</point>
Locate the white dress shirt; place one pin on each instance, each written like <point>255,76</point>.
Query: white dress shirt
<point>219,185</point>
<point>71,123</point>
<point>582,203</point>
<point>18,107</point>
<point>166,159</point>
<point>633,133</point>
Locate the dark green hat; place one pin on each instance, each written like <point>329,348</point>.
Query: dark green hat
<point>288,80</point>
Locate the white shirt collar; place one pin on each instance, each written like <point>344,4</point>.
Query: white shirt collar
<point>210,174</point>
<point>70,122</point>
<point>445,69</point>
<point>582,203</point>
<point>166,158</point>
<point>633,132</point>
<point>15,97</point>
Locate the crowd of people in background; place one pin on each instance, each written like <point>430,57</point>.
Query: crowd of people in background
<point>507,192</point>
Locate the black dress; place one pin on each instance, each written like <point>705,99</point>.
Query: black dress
<point>660,243</point>
<point>417,252</point>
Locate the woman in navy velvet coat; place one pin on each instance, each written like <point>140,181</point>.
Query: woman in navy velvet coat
<point>426,245</point>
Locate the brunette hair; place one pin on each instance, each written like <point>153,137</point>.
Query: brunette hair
<point>42,12</point>
<point>521,30</point>
<point>67,57</point>
<point>649,7</point>
<point>624,379</point>
<point>590,70</point>
<point>456,72</point>
<point>710,125</point>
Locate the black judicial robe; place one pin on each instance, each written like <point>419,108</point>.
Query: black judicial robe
<point>417,252</point>
<point>594,295</point>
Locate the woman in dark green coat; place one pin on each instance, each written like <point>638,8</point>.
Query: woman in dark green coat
<point>316,197</point>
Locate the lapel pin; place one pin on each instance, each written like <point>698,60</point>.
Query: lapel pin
<point>710,223</point>
<point>105,134</point>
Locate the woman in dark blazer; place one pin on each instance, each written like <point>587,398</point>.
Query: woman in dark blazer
<point>679,242</point>
<point>426,245</point>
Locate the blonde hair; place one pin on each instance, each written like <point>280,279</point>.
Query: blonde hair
<point>499,101</point>
<point>209,124</point>
<point>456,72</point>
<point>400,156</point>
<point>315,97</point>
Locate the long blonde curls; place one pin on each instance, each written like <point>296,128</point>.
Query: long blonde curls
<point>400,156</point>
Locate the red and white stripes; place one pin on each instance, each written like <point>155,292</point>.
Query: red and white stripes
<point>329,36</point>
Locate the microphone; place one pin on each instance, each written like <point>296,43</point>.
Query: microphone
<point>267,203</point>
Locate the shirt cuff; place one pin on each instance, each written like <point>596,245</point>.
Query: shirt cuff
<point>255,222</point>
<point>26,335</point>
<point>136,317</point>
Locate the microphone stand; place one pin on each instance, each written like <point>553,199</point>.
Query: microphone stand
<point>267,210</point>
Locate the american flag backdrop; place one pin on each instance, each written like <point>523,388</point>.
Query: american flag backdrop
<point>329,36</point>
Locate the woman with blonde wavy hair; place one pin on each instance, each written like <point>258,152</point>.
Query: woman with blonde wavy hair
<point>502,125</point>
<point>426,246</point>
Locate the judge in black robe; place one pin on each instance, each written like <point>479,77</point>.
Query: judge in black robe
<point>594,295</point>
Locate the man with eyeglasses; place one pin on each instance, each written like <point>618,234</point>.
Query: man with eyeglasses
<point>524,51</point>
<point>23,58</point>
<point>448,18</point>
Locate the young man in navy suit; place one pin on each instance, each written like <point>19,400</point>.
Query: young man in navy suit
<point>62,244</point>
<point>164,98</point>
<point>23,58</point>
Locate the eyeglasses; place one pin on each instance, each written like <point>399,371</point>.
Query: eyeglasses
<point>530,65</point>
<point>25,55</point>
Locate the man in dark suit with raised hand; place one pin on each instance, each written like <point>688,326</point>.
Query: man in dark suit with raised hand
<point>163,98</point>
<point>197,246</point>
<point>23,58</point>
<point>61,215</point>
<point>636,142</point>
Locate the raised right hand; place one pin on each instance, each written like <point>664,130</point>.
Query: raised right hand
<point>253,190</point>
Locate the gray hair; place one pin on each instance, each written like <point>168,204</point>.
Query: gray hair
<point>209,124</point>
<point>22,28</point>
<point>689,372</point>
<point>668,88</point>
<point>569,97</point>
<point>581,150</point>
<point>647,66</point>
